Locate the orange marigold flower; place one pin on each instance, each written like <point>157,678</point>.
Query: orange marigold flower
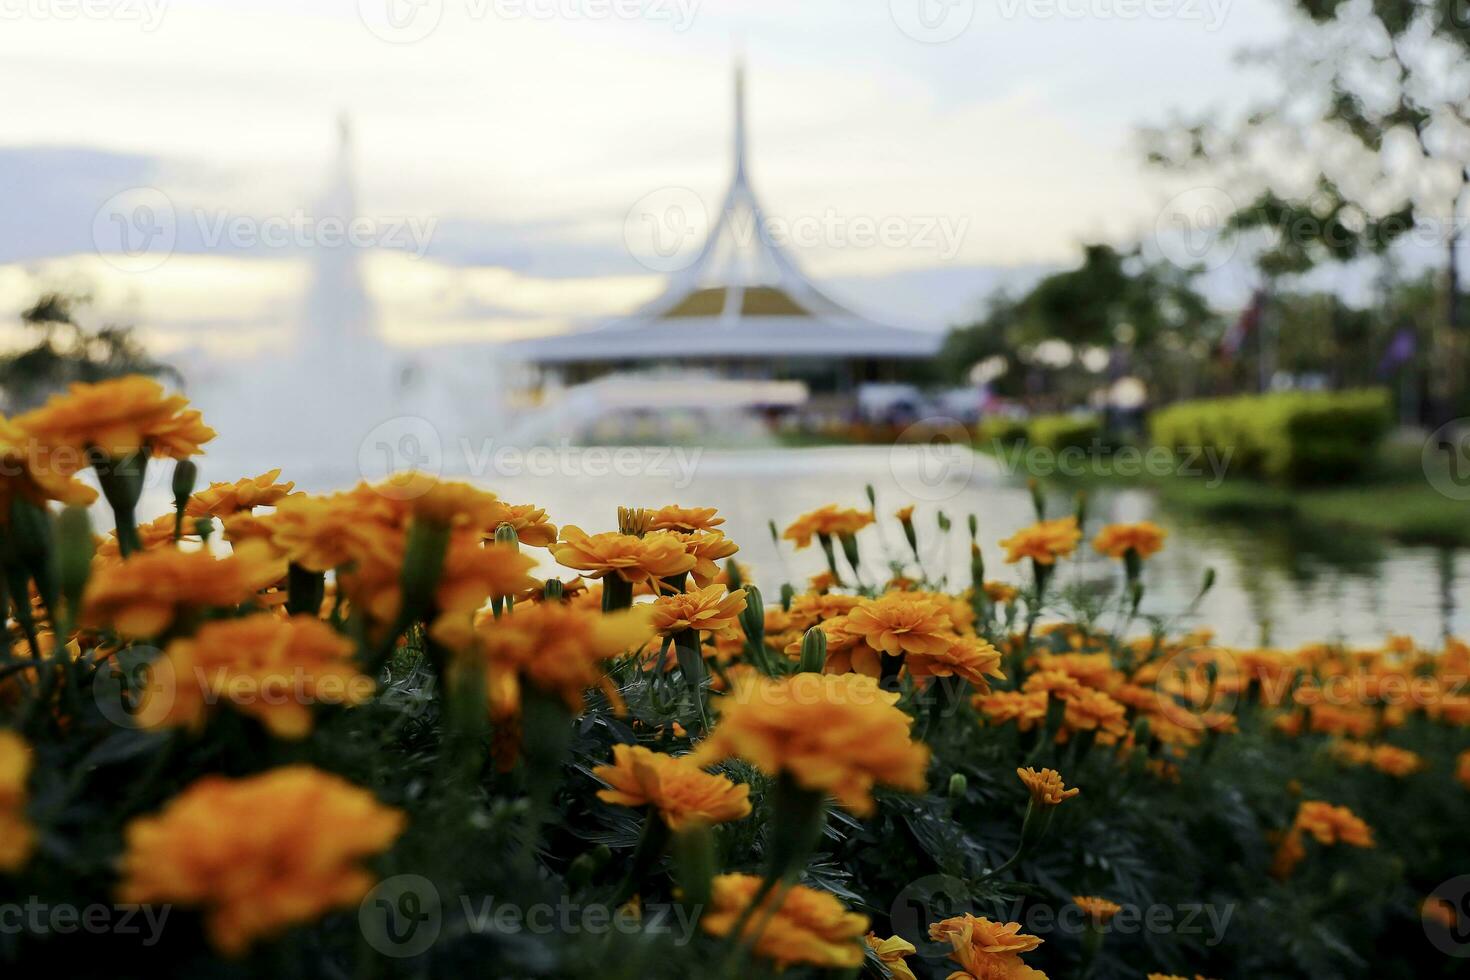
<point>328,532</point>
<point>270,668</point>
<point>1116,540</point>
<point>904,514</point>
<point>676,518</point>
<point>711,610</point>
<point>31,471</point>
<point>987,950</point>
<point>1333,824</point>
<point>656,555</point>
<point>967,657</point>
<point>899,622</point>
<point>1001,592</point>
<point>531,525</point>
<point>454,504</point>
<point>1046,786</point>
<point>1440,911</point>
<point>829,520</point>
<point>1027,709</point>
<point>808,609</point>
<point>1395,761</point>
<point>119,417</point>
<point>1089,710</point>
<point>1043,542</point>
<point>556,648</point>
<point>146,594</point>
<point>17,838</point>
<point>891,953</point>
<point>224,499</point>
<point>681,792</point>
<point>258,854</point>
<point>707,548</point>
<point>808,926</point>
<point>1098,910</point>
<point>846,651</point>
<point>823,581</point>
<point>840,734</point>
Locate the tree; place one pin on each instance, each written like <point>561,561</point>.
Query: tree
<point>1367,139</point>
<point>1115,312</point>
<point>69,351</point>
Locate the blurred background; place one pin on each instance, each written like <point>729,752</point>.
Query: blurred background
<point>758,255</point>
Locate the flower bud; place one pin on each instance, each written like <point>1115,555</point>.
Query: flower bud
<point>958,784</point>
<point>505,534</point>
<point>753,617</point>
<point>554,590</point>
<point>814,651</point>
<point>423,564</point>
<point>73,554</point>
<point>695,863</point>
<point>186,474</point>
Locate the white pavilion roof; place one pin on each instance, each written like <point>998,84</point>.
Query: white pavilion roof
<point>742,297</point>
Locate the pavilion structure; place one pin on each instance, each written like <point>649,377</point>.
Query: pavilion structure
<point>742,313</point>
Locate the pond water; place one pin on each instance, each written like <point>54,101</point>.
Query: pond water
<point>1275,581</point>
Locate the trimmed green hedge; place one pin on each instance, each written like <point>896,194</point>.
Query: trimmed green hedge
<point>1294,436</point>
<point>1002,429</point>
<point>1064,431</point>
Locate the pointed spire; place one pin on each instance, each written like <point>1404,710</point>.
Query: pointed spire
<point>740,150</point>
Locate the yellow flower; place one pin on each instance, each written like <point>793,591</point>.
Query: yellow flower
<point>987,950</point>
<point>839,734</point>
<point>1001,592</point>
<point>33,471</point>
<point>706,548</point>
<point>808,926</point>
<point>259,854</point>
<point>224,499</point>
<point>681,792</point>
<point>119,417</point>
<point>1089,710</point>
<point>1046,786</point>
<point>452,504</point>
<point>966,657</point>
<point>900,622</point>
<point>328,532</point>
<point>1027,709</point>
<point>1043,542</point>
<point>1099,910</point>
<point>556,648</point>
<point>1115,540</point>
<point>1333,824</point>
<point>828,520</point>
<point>270,668</point>
<point>891,953</point>
<point>17,838</point>
<point>145,595</point>
<point>711,610</point>
<point>676,518</point>
<point>530,523</point>
<point>657,555</point>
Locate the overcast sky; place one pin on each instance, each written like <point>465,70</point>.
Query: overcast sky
<point>505,148</point>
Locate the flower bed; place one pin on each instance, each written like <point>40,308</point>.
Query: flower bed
<point>356,735</point>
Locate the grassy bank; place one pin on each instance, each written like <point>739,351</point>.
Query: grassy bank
<point>1393,497</point>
